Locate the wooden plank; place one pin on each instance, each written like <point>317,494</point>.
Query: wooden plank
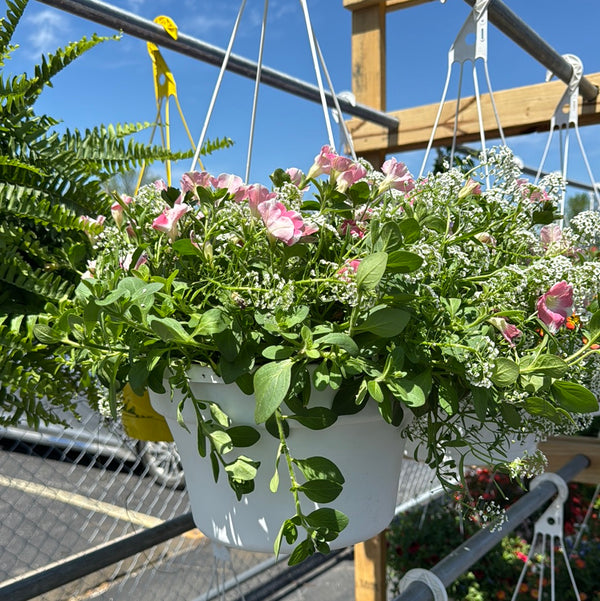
<point>369,61</point>
<point>561,449</point>
<point>369,569</point>
<point>521,111</point>
<point>389,5</point>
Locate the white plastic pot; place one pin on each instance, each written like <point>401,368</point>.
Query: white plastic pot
<point>366,449</point>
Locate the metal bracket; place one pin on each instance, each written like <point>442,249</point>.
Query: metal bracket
<point>551,521</point>
<point>564,120</point>
<point>548,532</point>
<point>470,44</point>
<point>427,578</point>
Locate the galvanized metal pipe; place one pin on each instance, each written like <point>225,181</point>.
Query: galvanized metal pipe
<point>519,32</point>
<point>459,561</point>
<point>64,571</point>
<point>131,24</point>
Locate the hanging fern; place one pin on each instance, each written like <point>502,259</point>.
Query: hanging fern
<point>48,181</point>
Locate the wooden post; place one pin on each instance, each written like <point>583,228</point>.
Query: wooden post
<point>370,569</point>
<point>368,63</point>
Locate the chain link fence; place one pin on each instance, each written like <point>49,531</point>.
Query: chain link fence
<point>66,490</point>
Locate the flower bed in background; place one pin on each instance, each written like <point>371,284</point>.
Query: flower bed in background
<point>424,536</point>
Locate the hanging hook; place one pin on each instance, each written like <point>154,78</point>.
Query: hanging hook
<point>564,121</point>
<point>469,46</point>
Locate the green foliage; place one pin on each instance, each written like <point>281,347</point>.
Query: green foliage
<point>48,182</point>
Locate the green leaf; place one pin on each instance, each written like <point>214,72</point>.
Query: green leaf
<point>169,329</point>
<point>243,436</point>
<point>277,352</point>
<point>413,391</point>
<point>594,325</point>
<point>511,415</point>
<point>326,517</point>
<point>319,468</point>
<point>210,322</point>
<point>402,261</point>
<point>339,339</point>
<point>547,365</point>
<point>410,230</point>
<point>506,372</point>
<point>321,491</point>
<point>271,384</point>
<point>46,335</point>
<point>542,408</point>
<point>371,270</point>
<point>386,322</point>
<point>222,443</point>
<point>574,397</point>
<point>303,551</point>
<point>481,397</point>
<point>184,246</point>
<point>243,469</point>
<point>315,418</point>
<point>375,391</point>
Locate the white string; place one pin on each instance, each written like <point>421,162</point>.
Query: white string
<point>217,86</point>
<point>256,87</point>
<point>311,41</point>
<point>347,136</point>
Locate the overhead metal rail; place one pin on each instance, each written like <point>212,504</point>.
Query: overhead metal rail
<point>519,32</point>
<point>131,24</point>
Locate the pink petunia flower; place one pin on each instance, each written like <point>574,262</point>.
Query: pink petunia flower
<point>550,235</point>
<point>397,176</point>
<point>193,179</point>
<point>167,221</point>
<point>282,223</point>
<point>322,162</point>
<point>296,176</point>
<point>160,185</point>
<point>350,176</point>
<point>233,183</point>
<point>556,305</point>
<point>471,188</point>
<point>507,329</point>
<point>256,194</point>
<point>116,210</point>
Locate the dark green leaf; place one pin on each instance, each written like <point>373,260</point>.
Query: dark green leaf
<point>169,329</point>
<point>574,397</point>
<point>243,436</point>
<point>271,384</point>
<point>326,517</point>
<point>386,322</point>
<point>303,551</point>
<point>319,468</point>
<point>506,372</point>
<point>371,270</point>
<point>339,339</point>
<point>315,418</point>
<point>321,491</point>
<point>402,261</point>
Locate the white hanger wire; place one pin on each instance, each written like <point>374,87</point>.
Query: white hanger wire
<point>256,87</point>
<point>564,122</point>
<point>461,52</point>
<point>313,50</point>
<point>217,86</point>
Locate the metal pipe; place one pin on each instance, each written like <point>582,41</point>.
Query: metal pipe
<point>455,564</point>
<point>131,24</point>
<point>71,568</point>
<point>519,32</point>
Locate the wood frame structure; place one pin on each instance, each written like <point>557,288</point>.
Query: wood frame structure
<point>521,110</point>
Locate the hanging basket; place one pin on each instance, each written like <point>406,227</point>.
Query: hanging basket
<point>140,421</point>
<point>366,449</point>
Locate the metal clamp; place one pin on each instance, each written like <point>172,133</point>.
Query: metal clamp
<point>435,585</point>
<point>550,522</point>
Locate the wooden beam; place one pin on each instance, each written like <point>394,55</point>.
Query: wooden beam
<point>368,61</point>
<point>370,569</point>
<point>521,110</point>
<point>389,5</point>
<point>560,449</point>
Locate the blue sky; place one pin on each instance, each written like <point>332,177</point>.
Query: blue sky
<point>113,82</point>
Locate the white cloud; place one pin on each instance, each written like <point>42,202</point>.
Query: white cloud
<point>48,32</point>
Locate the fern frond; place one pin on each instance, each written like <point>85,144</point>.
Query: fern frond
<point>54,63</point>
<point>8,24</point>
